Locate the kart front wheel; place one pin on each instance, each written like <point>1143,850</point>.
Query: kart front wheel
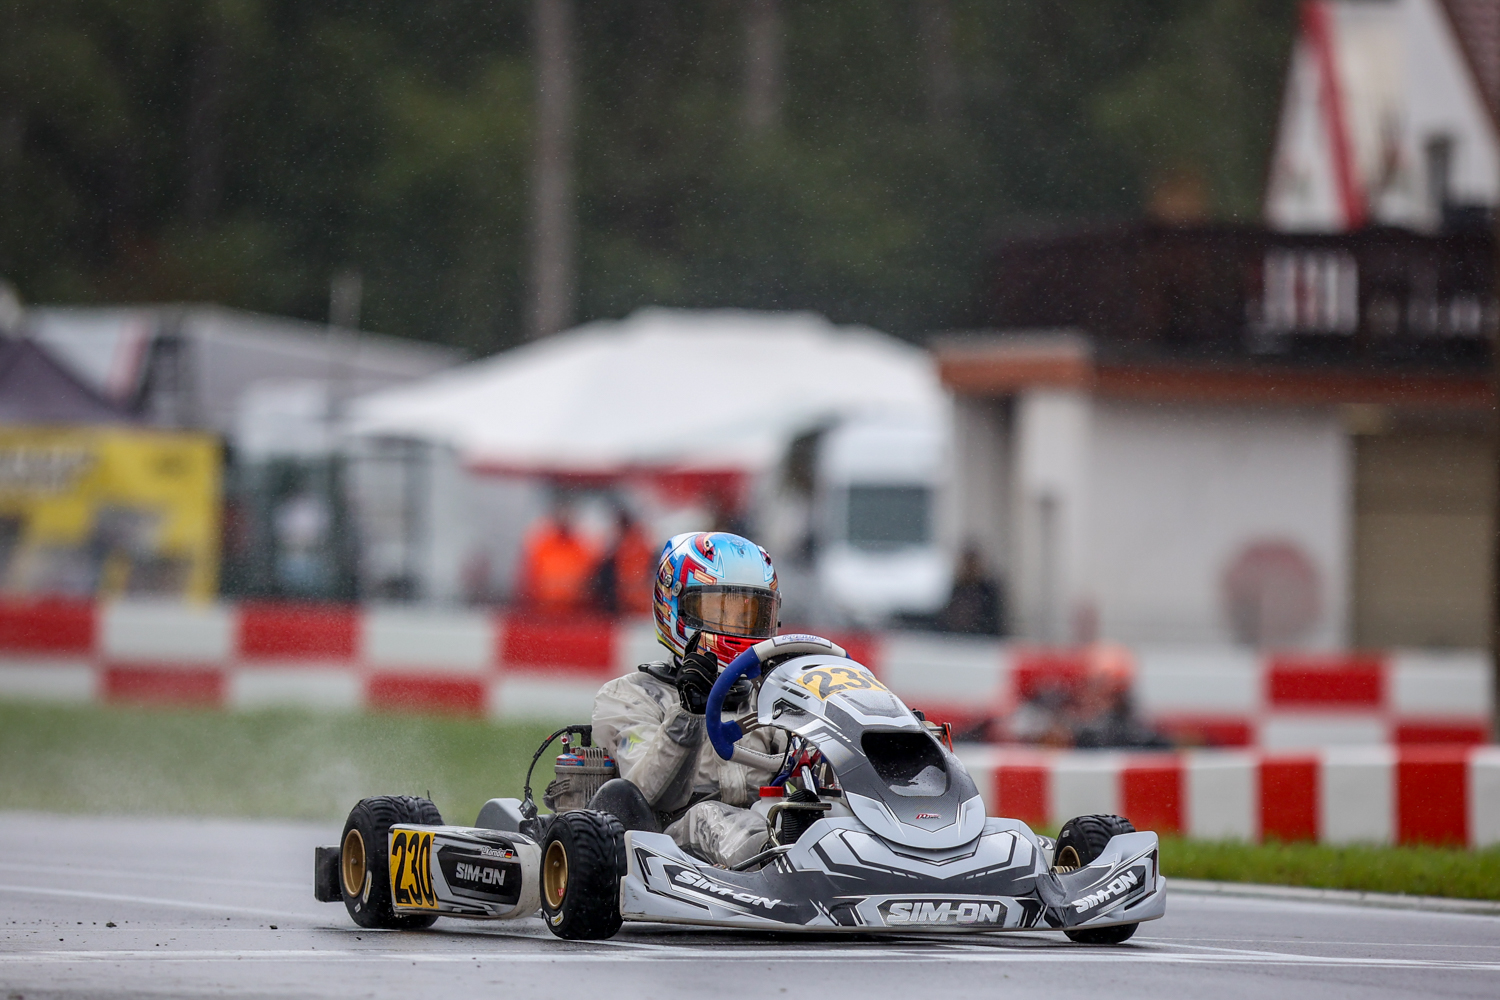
<point>1080,841</point>
<point>1117,934</point>
<point>583,858</point>
<point>364,860</point>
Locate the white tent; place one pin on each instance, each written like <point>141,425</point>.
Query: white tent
<point>662,389</point>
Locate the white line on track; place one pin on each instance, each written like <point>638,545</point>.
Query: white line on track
<point>1309,942</point>
<point>152,876</point>
<point>636,945</point>
<point>1021,950</point>
<point>176,904</point>
<point>1068,956</point>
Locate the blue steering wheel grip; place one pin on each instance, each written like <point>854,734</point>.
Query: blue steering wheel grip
<point>724,735</point>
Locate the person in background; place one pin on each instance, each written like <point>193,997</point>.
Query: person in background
<point>302,523</point>
<point>557,565</point>
<point>623,580</point>
<point>1042,719</point>
<point>1104,713</point>
<point>974,606</point>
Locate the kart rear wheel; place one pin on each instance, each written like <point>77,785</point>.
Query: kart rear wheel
<point>583,858</point>
<point>1081,841</point>
<point>364,872</point>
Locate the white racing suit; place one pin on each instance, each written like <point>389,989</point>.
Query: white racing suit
<point>664,751</point>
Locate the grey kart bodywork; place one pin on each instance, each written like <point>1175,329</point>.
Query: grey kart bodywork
<point>903,843</point>
<point>912,848</point>
<point>840,877</point>
<point>837,876</point>
<point>463,872</point>
<point>936,806</point>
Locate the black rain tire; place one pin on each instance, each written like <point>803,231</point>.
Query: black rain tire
<point>1118,934</point>
<point>1088,836</point>
<point>371,819</point>
<point>583,860</point>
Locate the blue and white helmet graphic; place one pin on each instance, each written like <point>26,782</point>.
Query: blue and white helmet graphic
<point>719,584</point>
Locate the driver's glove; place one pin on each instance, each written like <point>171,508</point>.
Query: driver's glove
<point>695,678</point>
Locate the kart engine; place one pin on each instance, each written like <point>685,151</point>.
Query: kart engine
<point>581,771</point>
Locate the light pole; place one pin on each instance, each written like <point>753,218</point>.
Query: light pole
<point>1494,336</point>
<point>552,170</point>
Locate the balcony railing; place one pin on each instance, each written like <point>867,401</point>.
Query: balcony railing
<point>1381,297</point>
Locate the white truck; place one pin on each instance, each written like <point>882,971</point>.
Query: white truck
<point>879,548</point>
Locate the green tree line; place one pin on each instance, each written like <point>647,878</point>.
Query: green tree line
<point>244,151</point>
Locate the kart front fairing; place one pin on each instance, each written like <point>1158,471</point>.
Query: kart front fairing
<point>913,851</point>
<point>897,780</point>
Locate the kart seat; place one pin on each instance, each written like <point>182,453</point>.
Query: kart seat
<point>625,802</point>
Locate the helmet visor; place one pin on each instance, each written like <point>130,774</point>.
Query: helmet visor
<point>751,612</point>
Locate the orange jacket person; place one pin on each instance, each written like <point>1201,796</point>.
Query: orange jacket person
<point>556,566</point>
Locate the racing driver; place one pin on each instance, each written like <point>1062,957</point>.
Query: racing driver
<point>715,596</point>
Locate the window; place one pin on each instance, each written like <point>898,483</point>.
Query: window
<point>887,516</point>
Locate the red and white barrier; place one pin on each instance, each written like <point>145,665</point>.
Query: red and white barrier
<point>1338,795</point>
<point>1215,696</point>
<point>256,655</point>
<point>1390,790</point>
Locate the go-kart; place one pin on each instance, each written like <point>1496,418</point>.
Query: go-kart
<point>875,827</point>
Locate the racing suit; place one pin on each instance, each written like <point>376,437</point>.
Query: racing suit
<point>664,751</point>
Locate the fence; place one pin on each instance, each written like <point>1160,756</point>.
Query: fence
<point>1380,795</point>
<point>1405,777</point>
<point>507,666</point>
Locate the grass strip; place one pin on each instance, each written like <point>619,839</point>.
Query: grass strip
<point>290,764</point>
<point>307,765</point>
<point>1419,871</point>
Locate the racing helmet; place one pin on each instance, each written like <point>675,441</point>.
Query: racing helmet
<point>717,584</point>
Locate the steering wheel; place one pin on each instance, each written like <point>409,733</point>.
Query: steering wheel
<point>724,735</point>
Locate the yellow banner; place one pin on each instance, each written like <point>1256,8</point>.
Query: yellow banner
<point>103,511</point>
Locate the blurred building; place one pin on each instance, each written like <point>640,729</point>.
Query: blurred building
<point>1389,117</point>
<point>258,395</point>
<point>202,366</point>
<point>1278,436</point>
<point>1205,435</point>
<point>91,501</point>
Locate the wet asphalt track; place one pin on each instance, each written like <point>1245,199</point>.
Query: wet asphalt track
<point>225,908</point>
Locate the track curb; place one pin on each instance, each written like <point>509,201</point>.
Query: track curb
<point>1342,897</point>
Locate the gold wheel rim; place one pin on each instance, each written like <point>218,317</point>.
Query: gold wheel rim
<point>1068,858</point>
<point>555,874</point>
<point>352,862</point>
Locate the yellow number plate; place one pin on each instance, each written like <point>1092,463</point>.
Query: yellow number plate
<point>411,870</point>
<point>828,681</point>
